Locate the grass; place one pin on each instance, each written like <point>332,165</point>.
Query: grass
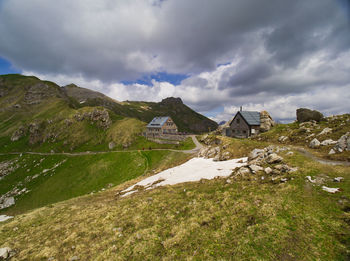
<point>208,220</point>
<point>78,175</point>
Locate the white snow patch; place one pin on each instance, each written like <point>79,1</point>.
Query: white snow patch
<point>193,170</point>
<point>4,218</point>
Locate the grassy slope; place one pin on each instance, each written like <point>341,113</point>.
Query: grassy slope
<point>211,220</point>
<point>57,108</point>
<point>299,136</point>
<point>78,175</point>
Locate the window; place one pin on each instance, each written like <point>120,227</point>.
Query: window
<point>245,132</point>
<point>238,121</point>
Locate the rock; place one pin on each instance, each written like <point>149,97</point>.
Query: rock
<point>217,157</point>
<point>268,170</point>
<point>111,145</point>
<point>101,117</point>
<point>343,143</point>
<point>314,144</point>
<point>243,171</point>
<point>19,133</point>
<point>304,115</point>
<point>5,253</point>
<point>310,179</point>
<point>283,138</point>
<point>283,180</point>
<point>228,181</point>
<point>290,153</point>
<point>330,190</point>
<point>35,133</point>
<point>282,167</point>
<point>7,202</point>
<point>331,152</point>
<point>328,142</point>
<point>74,258</point>
<point>225,156</point>
<point>266,121</point>
<point>255,153</point>
<point>273,158</point>
<point>338,179</point>
<point>325,131</point>
<point>255,168</point>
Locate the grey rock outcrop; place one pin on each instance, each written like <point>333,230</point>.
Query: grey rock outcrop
<point>343,144</point>
<point>266,121</point>
<point>304,115</point>
<point>328,142</point>
<point>314,144</point>
<point>273,158</point>
<point>19,133</point>
<point>325,131</point>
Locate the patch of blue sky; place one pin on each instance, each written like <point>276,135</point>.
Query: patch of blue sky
<point>6,67</point>
<point>174,79</point>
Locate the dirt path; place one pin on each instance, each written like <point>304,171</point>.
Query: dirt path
<point>192,151</point>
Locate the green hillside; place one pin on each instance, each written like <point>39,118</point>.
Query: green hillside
<point>38,115</point>
<point>248,218</point>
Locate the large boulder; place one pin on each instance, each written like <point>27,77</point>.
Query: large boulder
<point>266,121</point>
<point>304,115</point>
<point>343,143</point>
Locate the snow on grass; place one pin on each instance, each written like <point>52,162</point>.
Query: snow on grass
<point>192,170</point>
<point>4,218</point>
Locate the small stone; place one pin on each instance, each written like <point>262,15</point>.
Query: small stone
<point>243,171</point>
<point>283,180</point>
<point>273,158</point>
<point>74,258</point>
<point>255,168</point>
<point>325,131</point>
<point>330,190</point>
<point>290,153</point>
<point>228,181</point>
<point>5,253</point>
<point>328,142</point>
<point>338,179</point>
<point>268,170</point>
<point>331,152</point>
<point>111,145</point>
<point>314,144</point>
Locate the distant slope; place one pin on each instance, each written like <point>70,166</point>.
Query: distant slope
<point>40,115</point>
<point>185,118</point>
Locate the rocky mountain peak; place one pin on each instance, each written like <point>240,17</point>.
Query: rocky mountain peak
<point>172,100</point>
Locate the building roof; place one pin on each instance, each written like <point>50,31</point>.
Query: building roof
<point>157,122</point>
<point>251,117</point>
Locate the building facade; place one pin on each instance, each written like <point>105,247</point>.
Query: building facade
<point>161,126</point>
<point>244,124</point>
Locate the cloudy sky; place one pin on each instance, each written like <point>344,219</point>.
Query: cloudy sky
<point>217,55</point>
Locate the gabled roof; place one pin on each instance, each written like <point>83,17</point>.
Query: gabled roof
<point>251,117</point>
<point>157,122</point>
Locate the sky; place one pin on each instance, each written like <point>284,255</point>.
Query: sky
<point>215,55</point>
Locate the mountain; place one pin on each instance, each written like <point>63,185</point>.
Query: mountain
<point>185,118</point>
<point>41,115</point>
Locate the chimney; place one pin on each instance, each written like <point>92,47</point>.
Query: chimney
<point>240,108</point>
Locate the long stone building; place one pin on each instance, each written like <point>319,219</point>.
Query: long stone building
<point>160,126</point>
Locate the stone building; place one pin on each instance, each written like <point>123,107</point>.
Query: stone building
<point>161,126</point>
<point>244,124</point>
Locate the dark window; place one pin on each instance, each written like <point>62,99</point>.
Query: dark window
<point>238,121</point>
<point>245,132</point>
